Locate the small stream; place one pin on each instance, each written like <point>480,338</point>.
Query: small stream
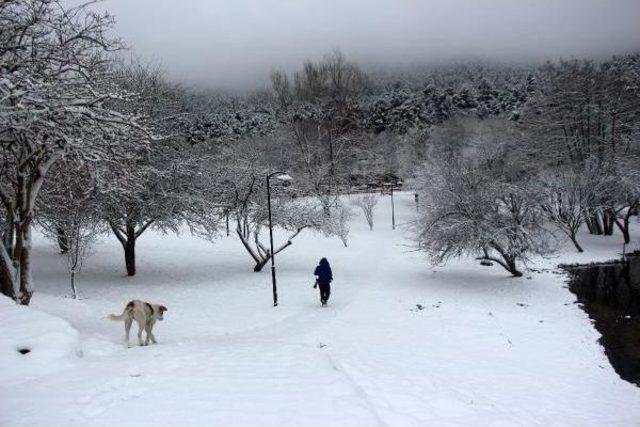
<point>610,294</point>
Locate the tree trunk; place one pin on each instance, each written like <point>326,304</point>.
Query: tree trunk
<point>26,289</point>
<point>590,226</point>
<point>73,285</point>
<point>6,278</point>
<point>130,251</point>
<point>127,237</point>
<point>260,254</point>
<point>624,228</point>
<point>626,235</point>
<point>508,262</point>
<point>575,242</point>
<point>514,270</point>
<point>609,221</point>
<point>593,224</point>
<point>8,235</point>
<point>63,241</point>
<point>260,264</point>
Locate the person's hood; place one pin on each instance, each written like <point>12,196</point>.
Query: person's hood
<point>324,262</point>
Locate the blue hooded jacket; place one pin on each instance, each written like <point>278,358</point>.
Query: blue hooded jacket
<point>323,271</point>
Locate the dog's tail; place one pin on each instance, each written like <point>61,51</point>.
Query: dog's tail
<point>122,316</point>
<point>118,316</point>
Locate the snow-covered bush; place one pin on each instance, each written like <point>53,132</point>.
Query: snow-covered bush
<point>367,202</point>
<point>337,223</point>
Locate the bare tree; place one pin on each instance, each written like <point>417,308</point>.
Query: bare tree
<point>55,85</point>
<point>68,209</point>
<point>482,204</point>
<point>164,187</point>
<point>252,222</point>
<point>338,223</point>
<point>81,234</point>
<point>322,113</point>
<point>242,172</point>
<point>624,185</point>
<point>367,203</point>
<point>568,199</point>
<point>583,110</point>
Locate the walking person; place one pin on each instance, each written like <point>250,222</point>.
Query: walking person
<point>324,276</point>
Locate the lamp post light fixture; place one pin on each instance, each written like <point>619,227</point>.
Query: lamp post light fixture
<point>283,177</point>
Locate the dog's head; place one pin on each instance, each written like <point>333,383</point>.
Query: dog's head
<point>161,311</point>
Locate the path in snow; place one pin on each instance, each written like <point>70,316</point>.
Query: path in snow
<point>485,350</point>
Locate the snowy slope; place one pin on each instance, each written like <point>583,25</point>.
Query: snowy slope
<point>485,350</point>
<point>49,344</point>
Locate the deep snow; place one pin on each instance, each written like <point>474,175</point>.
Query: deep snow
<point>484,350</point>
<point>48,343</point>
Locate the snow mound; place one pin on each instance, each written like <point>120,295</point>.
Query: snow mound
<point>33,343</point>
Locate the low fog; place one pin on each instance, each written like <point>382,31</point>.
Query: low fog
<point>234,44</point>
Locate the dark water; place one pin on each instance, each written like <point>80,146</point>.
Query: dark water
<point>610,294</point>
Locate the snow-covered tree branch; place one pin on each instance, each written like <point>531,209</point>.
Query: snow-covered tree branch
<point>55,81</point>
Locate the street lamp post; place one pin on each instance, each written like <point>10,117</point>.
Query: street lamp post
<point>285,177</point>
<point>393,212</point>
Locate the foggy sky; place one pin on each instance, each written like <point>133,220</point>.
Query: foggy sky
<point>235,43</point>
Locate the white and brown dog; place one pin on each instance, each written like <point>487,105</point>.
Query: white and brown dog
<point>145,314</point>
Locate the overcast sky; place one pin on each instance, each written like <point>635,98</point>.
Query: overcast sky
<point>235,43</point>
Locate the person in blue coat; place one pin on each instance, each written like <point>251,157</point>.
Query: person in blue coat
<point>324,277</point>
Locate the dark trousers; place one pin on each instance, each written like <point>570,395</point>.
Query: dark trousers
<point>325,291</point>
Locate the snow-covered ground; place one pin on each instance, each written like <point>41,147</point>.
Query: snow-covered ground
<point>484,350</point>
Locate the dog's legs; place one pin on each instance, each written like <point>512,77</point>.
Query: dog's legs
<point>127,328</point>
<point>150,336</point>
<point>150,333</point>
<point>140,328</point>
